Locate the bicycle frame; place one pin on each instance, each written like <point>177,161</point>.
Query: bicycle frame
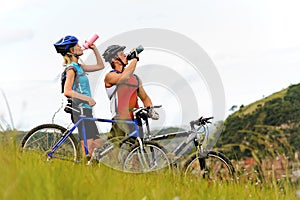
<point>180,148</point>
<point>183,146</point>
<point>82,119</point>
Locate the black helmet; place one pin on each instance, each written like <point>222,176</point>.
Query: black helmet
<point>64,44</point>
<point>111,52</point>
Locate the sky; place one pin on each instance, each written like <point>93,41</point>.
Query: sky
<point>254,45</point>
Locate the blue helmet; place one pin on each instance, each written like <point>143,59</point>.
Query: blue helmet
<point>64,44</point>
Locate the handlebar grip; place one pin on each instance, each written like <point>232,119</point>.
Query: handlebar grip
<point>145,108</point>
<point>208,118</point>
<point>201,121</point>
<point>157,106</point>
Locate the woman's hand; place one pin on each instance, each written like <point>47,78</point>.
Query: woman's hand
<point>91,102</point>
<point>92,46</point>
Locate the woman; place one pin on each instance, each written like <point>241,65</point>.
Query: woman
<point>77,85</point>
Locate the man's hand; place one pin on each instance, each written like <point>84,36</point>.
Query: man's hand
<point>135,54</point>
<point>152,114</point>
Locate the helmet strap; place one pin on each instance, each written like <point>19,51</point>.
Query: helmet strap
<point>73,54</point>
<point>123,64</point>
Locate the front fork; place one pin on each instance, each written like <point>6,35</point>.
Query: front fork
<point>142,158</point>
<point>201,155</point>
<point>62,139</point>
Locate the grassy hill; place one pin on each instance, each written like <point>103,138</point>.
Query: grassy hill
<point>269,126</point>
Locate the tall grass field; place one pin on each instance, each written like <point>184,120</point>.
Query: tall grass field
<point>26,176</point>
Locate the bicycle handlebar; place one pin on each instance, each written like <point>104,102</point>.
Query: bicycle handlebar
<point>75,105</point>
<point>138,111</point>
<point>201,121</point>
<point>157,106</point>
<point>135,110</point>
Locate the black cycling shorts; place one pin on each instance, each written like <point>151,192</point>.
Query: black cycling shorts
<point>91,129</point>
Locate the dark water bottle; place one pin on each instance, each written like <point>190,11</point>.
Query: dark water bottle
<point>139,49</point>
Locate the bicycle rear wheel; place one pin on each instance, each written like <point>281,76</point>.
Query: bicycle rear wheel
<point>41,139</point>
<point>151,157</point>
<point>214,166</point>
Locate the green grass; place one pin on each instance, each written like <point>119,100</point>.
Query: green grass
<point>26,176</point>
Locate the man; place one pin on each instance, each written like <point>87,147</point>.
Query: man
<point>124,88</point>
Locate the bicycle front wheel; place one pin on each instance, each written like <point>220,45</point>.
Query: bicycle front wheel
<point>116,156</point>
<point>214,166</point>
<point>41,139</point>
<point>150,157</point>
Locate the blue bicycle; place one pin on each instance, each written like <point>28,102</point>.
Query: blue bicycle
<point>129,153</point>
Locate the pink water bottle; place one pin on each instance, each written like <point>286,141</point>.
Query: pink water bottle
<point>90,41</point>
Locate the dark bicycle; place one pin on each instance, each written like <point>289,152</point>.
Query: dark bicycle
<point>203,163</point>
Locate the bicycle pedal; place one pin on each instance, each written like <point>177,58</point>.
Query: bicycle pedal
<point>92,162</point>
<point>96,155</point>
<point>89,163</point>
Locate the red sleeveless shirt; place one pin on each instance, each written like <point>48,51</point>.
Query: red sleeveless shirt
<point>123,97</point>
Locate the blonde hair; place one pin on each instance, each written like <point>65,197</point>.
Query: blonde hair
<point>67,59</point>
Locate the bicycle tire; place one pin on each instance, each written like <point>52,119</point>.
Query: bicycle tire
<point>115,158</point>
<point>215,166</point>
<point>153,159</point>
<point>41,139</point>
